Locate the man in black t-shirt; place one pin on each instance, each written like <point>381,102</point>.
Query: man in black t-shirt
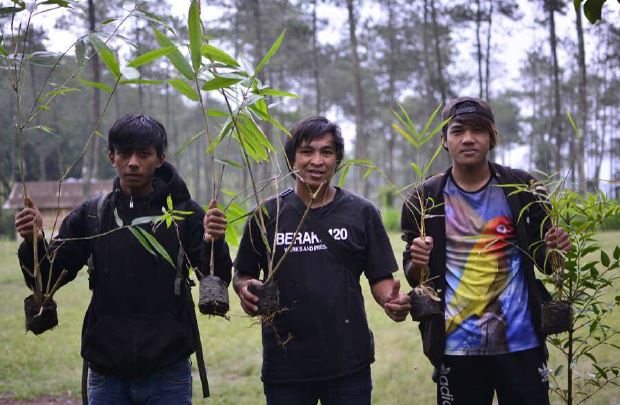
<point>319,346</point>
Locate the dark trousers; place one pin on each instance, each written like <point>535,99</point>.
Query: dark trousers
<point>353,389</point>
<point>519,378</point>
<point>172,385</point>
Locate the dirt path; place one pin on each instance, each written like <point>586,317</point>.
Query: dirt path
<point>42,401</point>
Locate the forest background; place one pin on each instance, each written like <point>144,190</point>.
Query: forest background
<point>539,63</point>
<point>353,61</point>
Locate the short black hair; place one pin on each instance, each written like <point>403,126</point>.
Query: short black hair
<point>308,130</point>
<point>137,130</point>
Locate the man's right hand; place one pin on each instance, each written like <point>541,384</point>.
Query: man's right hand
<point>248,300</point>
<point>420,251</point>
<point>26,218</point>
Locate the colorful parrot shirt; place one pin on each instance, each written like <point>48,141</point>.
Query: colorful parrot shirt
<point>486,294</point>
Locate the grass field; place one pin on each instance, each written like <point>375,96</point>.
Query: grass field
<point>32,366</point>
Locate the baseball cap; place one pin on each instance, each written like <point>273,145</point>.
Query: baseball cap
<point>467,105</point>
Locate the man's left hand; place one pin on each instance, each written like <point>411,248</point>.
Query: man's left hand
<point>214,223</point>
<point>557,238</point>
<point>397,304</point>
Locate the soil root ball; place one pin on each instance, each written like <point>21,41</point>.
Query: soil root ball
<point>556,317</point>
<point>423,307</point>
<point>213,296</point>
<point>268,297</point>
<point>37,320</point>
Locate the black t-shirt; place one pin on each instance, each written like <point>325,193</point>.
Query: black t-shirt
<point>323,318</point>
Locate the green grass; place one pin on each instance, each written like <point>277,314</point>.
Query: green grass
<point>50,364</point>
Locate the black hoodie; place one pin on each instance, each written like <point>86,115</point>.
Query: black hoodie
<point>135,323</point>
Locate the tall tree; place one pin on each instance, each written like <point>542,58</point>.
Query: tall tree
<point>583,97</point>
<point>360,114</point>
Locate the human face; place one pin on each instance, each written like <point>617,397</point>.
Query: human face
<point>315,162</point>
<point>136,167</point>
<point>468,145</point>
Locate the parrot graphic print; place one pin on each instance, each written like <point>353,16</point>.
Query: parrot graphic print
<point>486,294</point>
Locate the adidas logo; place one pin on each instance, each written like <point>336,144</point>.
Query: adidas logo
<point>544,373</point>
<point>444,390</point>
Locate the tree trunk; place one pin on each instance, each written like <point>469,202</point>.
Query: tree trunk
<point>360,140</point>
<point>583,106</point>
<point>440,79</point>
<point>89,167</point>
<point>487,56</point>
<point>429,84</point>
<point>391,86</point>
<point>556,126</point>
<point>479,48</point>
<point>315,62</point>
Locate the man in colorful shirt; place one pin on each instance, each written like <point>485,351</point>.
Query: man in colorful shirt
<point>480,245</point>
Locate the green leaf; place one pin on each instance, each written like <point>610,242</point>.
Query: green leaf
<point>156,245</point>
<point>277,93</point>
<point>194,29</point>
<point>108,21</point>
<point>60,91</point>
<point>169,202</point>
<point>190,141</point>
<point>219,82</point>
<point>184,88</point>
<point>149,16</point>
<point>61,3</point>
<point>218,55</point>
<point>106,55</point>
<point>11,10</point>
<point>3,51</point>
<point>175,57</point>
<point>80,52</point>
<point>97,85</point>
<point>227,162</point>
<point>217,113</point>
<point>144,220</point>
<point>143,241</point>
<point>343,175</point>
<point>593,10</point>
<point>141,81</point>
<point>617,253</point>
<point>151,56</point>
<point>605,259</point>
<point>272,51</point>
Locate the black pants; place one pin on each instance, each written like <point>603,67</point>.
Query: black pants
<point>519,378</point>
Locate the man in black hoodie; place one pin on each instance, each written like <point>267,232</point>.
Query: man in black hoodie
<point>138,330</point>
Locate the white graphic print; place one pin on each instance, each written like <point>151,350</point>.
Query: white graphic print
<point>308,241</point>
<point>544,373</point>
<point>444,389</point>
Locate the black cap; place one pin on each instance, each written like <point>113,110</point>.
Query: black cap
<point>467,105</point>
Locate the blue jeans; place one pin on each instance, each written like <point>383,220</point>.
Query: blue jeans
<point>172,385</point>
<point>353,389</point>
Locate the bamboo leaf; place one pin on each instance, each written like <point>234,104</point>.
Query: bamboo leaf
<point>141,81</point>
<point>276,93</point>
<point>190,141</point>
<point>175,57</point>
<point>343,175</point>
<point>274,48</point>
<point>149,16</point>
<point>60,3</point>
<point>60,91</point>
<point>106,54</point>
<point>151,56</point>
<point>156,245</point>
<point>226,130</point>
<point>194,29</point>
<point>219,82</point>
<point>184,88</point>
<point>617,253</point>
<point>405,135</point>
<point>145,244</point>
<point>228,162</point>
<point>218,55</point>
<point>80,52</point>
<point>97,85</point>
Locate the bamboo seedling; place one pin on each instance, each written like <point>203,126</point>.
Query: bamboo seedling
<point>424,299</point>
